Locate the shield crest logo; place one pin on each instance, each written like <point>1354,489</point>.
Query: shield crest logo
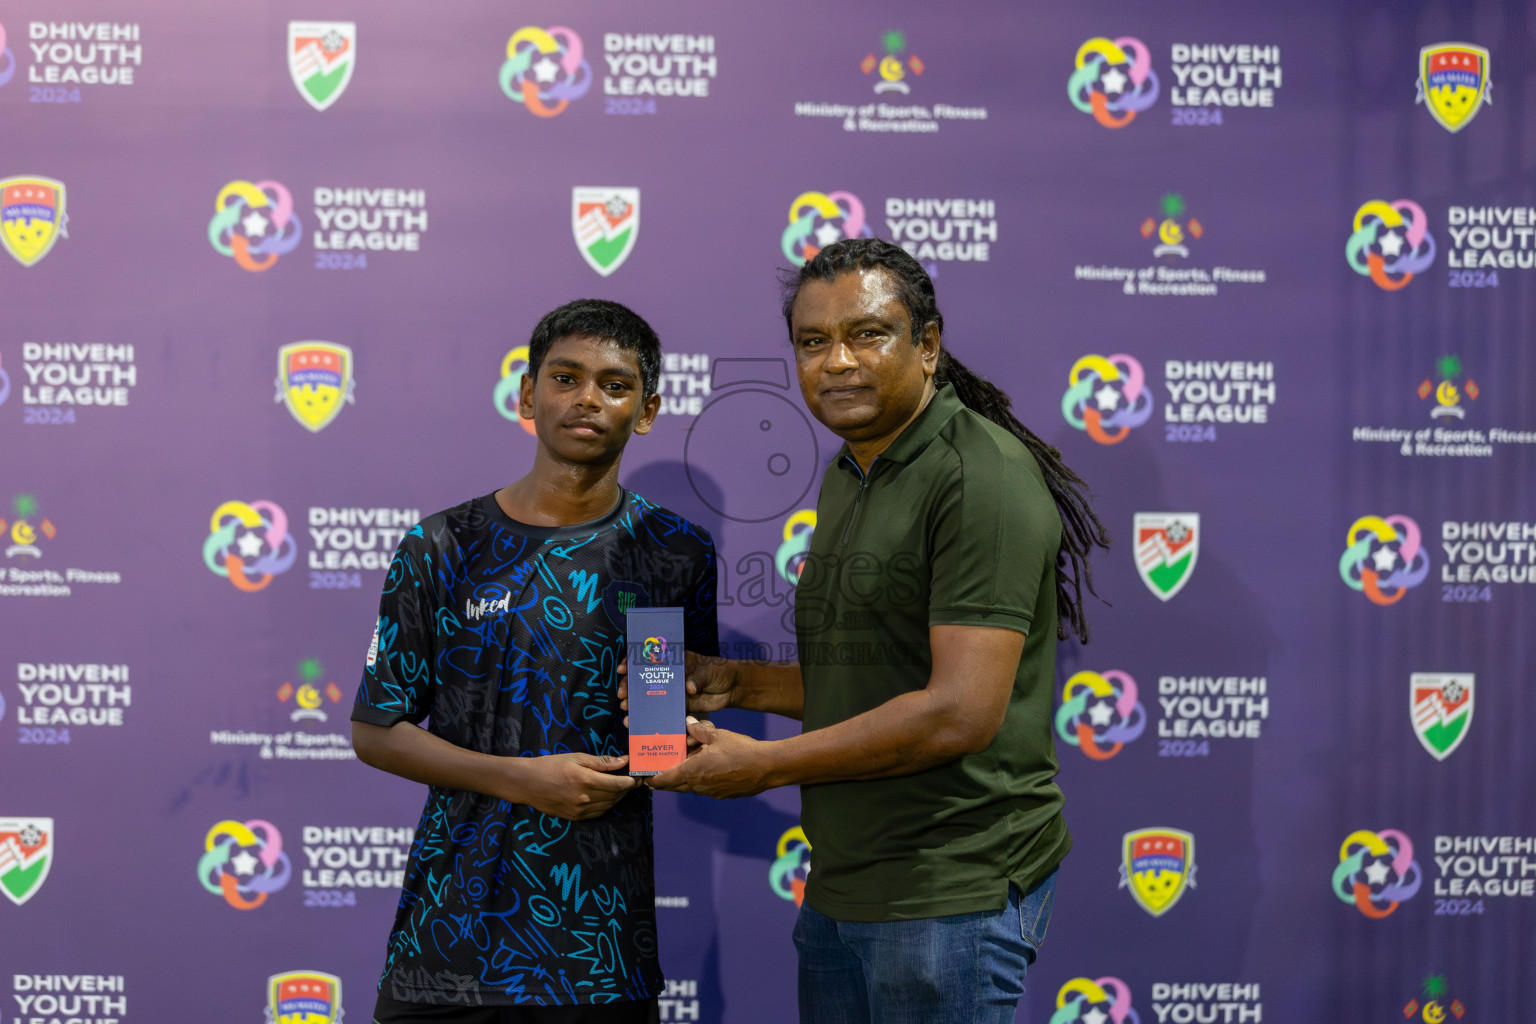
<point>1454,83</point>
<point>1441,705</point>
<point>26,854</point>
<point>1157,865</point>
<point>321,56</point>
<point>619,597</point>
<point>31,217</point>
<point>1167,547</point>
<point>303,997</point>
<point>605,222</point>
<point>314,379</point>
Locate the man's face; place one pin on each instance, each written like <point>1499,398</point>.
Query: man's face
<point>585,402</point>
<point>859,371</point>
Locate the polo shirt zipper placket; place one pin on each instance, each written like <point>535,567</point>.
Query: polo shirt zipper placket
<point>858,496</point>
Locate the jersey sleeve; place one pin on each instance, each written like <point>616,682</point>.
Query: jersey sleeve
<point>995,531</point>
<point>398,682</point>
<point>701,626</point>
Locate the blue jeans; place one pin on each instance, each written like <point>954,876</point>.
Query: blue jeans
<point>965,969</point>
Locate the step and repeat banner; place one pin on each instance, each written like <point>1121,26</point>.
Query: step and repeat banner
<point>1264,273</point>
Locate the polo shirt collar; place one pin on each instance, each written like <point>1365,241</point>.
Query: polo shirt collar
<point>910,442</point>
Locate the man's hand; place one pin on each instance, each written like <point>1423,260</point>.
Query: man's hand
<point>711,682</point>
<point>727,764</point>
<point>574,786</point>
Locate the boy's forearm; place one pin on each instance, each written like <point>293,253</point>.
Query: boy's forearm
<point>412,752</point>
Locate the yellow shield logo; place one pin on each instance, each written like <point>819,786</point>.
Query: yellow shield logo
<point>314,379</point>
<point>1158,864</point>
<point>1453,83</point>
<point>303,997</point>
<point>31,216</point>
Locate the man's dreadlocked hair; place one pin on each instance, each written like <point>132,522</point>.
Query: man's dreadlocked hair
<point>1081,530</point>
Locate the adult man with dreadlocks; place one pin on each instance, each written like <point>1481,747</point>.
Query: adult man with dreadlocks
<point>950,553</point>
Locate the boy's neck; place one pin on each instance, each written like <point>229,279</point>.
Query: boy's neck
<point>557,493</point>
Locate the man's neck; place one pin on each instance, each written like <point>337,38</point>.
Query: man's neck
<point>561,494</point>
<point>865,452</point>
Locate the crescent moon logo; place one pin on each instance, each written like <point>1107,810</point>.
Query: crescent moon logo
<point>1434,1013</point>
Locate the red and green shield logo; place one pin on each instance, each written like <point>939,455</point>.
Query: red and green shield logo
<point>1167,547</point>
<point>26,854</point>
<point>321,56</point>
<point>1441,705</point>
<point>605,222</point>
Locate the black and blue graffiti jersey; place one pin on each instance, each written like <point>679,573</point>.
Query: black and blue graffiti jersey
<point>504,638</point>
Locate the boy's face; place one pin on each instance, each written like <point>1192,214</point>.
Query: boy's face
<point>586,400</point>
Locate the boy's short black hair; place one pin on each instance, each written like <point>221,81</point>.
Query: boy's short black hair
<point>599,318</point>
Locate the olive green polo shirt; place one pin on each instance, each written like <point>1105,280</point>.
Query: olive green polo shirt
<point>953,525</point>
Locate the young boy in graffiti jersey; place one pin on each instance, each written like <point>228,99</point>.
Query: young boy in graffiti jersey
<point>529,895</point>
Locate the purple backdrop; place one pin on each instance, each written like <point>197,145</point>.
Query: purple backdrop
<point>1275,310</point>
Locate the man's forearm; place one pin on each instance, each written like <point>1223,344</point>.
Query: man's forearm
<point>959,712</point>
<point>908,733</point>
<point>772,687</point>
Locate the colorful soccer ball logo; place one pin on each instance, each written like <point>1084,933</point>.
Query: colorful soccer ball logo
<point>244,862</point>
<point>7,59</point>
<point>1376,871</point>
<point>1095,1001</point>
<point>790,558</point>
<point>508,391</point>
<point>254,223</point>
<point>791,867</point>
<point>249,543</point>
<point>1113,80</point>
<point>654,650</point>
<point>544,69</point>
<point>1100,713</point>
<point>817,219</point>
<point>1390,243</point>
<point>1384,558</point>
<point>1107,396</point>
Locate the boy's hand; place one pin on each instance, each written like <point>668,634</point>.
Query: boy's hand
<point>573,786</point>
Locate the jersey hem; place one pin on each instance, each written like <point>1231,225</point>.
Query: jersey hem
<point>456,997</point>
